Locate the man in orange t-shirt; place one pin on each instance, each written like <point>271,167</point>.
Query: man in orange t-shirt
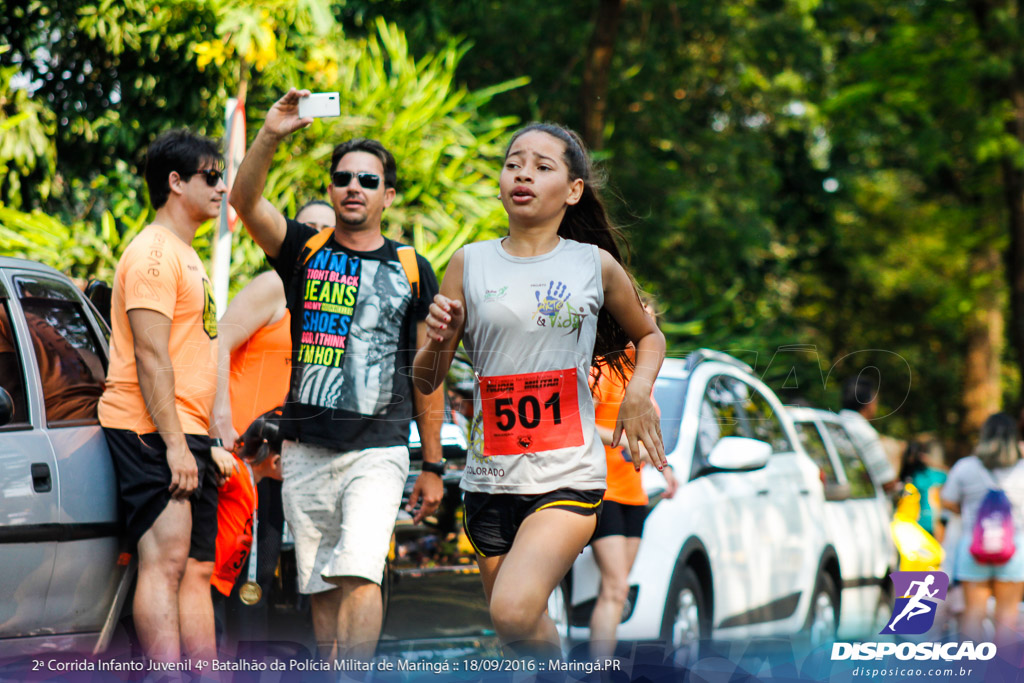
<point>156,407</point>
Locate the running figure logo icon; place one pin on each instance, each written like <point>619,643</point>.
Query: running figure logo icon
<point>917,595</point>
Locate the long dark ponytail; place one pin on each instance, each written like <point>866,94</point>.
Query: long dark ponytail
<point>587,221</point>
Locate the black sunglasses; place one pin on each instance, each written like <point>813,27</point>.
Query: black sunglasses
<point>211,175</point>
<point>368,181</point>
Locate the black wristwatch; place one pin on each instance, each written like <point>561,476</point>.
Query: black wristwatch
<point>434,467</point>
<point>216,443</point>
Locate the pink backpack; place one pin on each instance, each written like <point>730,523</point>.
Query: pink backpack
<point>992,538</point>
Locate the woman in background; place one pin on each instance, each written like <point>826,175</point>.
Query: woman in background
<point>995,463</point>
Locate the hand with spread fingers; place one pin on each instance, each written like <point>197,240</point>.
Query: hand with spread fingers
<point>638,418</point>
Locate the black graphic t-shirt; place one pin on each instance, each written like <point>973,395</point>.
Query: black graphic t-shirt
<point>353,342</point>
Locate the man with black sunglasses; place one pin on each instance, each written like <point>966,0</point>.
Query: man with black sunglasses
<point>358,301</point>
<point>156,407</point>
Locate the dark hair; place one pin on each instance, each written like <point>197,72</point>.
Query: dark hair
<point>587,221</point>
<point>858,392</point>
<point>371,147</point>
<point>313,202</point>
<point>912,461</point>
<point>263,438</point>
<point>176,150</point>
<point>997,444</point>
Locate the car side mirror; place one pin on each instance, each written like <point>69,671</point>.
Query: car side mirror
<point>6,407</point>
<point>739,453</point>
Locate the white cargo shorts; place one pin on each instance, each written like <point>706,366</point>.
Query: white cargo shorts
<point>341,507</point>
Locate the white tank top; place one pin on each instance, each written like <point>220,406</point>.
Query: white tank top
<point>530,330</point>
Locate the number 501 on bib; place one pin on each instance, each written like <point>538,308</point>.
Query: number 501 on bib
<point>532,412</point>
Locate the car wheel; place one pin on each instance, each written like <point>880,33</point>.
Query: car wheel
<point>823,616</point>
<point>686,622</point>
<point>558,610</point>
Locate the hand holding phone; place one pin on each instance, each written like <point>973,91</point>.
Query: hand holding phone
<point>320,105</point>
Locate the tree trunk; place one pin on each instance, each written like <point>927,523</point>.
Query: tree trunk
<point>1013,191</point>
<point>1001,23</point>
<point>985,334</point>
<point>596,68</point>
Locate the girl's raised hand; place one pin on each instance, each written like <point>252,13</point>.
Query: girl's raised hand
<point>445,318</point>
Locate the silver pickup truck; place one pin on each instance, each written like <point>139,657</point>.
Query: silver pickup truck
<point>64,574</point>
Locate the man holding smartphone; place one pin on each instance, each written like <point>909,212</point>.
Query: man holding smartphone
<point>357,314</point>
<point>155,410</point>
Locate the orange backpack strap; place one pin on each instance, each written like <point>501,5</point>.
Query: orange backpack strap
<point>407,256</point>
<point>314,243</point>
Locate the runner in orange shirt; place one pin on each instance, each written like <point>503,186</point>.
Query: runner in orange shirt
<point>621,524</point>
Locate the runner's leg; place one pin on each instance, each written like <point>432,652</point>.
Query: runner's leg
<point>530,572</point>
<point>614,556</point>
<point>489,567</point>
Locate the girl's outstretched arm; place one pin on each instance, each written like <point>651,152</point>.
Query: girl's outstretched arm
<point>445,325</point>
<point>637,415</point>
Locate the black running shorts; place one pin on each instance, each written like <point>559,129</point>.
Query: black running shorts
<point>493,519</point>
<point>143,480</point>
<point>619,519</point>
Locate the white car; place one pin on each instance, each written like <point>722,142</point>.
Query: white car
<point>857,515</point>
<point>740,551</point>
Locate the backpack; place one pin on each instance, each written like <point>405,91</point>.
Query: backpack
<point>992,536</point>
<point>406,256</point>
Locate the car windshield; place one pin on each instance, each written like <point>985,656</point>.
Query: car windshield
<point>670,394</point>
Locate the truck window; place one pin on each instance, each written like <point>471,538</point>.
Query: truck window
<point>12,376</point>
<point>71,361</point>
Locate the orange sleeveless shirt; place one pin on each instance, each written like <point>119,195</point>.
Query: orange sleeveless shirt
<point>623,481</point>
<point>260,373</point>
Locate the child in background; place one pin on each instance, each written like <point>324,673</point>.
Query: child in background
<point>918,467</point>
<point>257,455</point>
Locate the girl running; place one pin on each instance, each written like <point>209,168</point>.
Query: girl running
<point>534,310</point>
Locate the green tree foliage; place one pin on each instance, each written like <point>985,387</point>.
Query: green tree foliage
<point>100,84</point>
<point>818,186</point>
<point>810,183</point>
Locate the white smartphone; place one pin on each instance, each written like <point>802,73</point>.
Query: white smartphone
<point>320,105</point>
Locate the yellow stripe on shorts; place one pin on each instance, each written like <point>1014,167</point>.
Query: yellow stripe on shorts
<point>465,528</point>
<point>576,503</point>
